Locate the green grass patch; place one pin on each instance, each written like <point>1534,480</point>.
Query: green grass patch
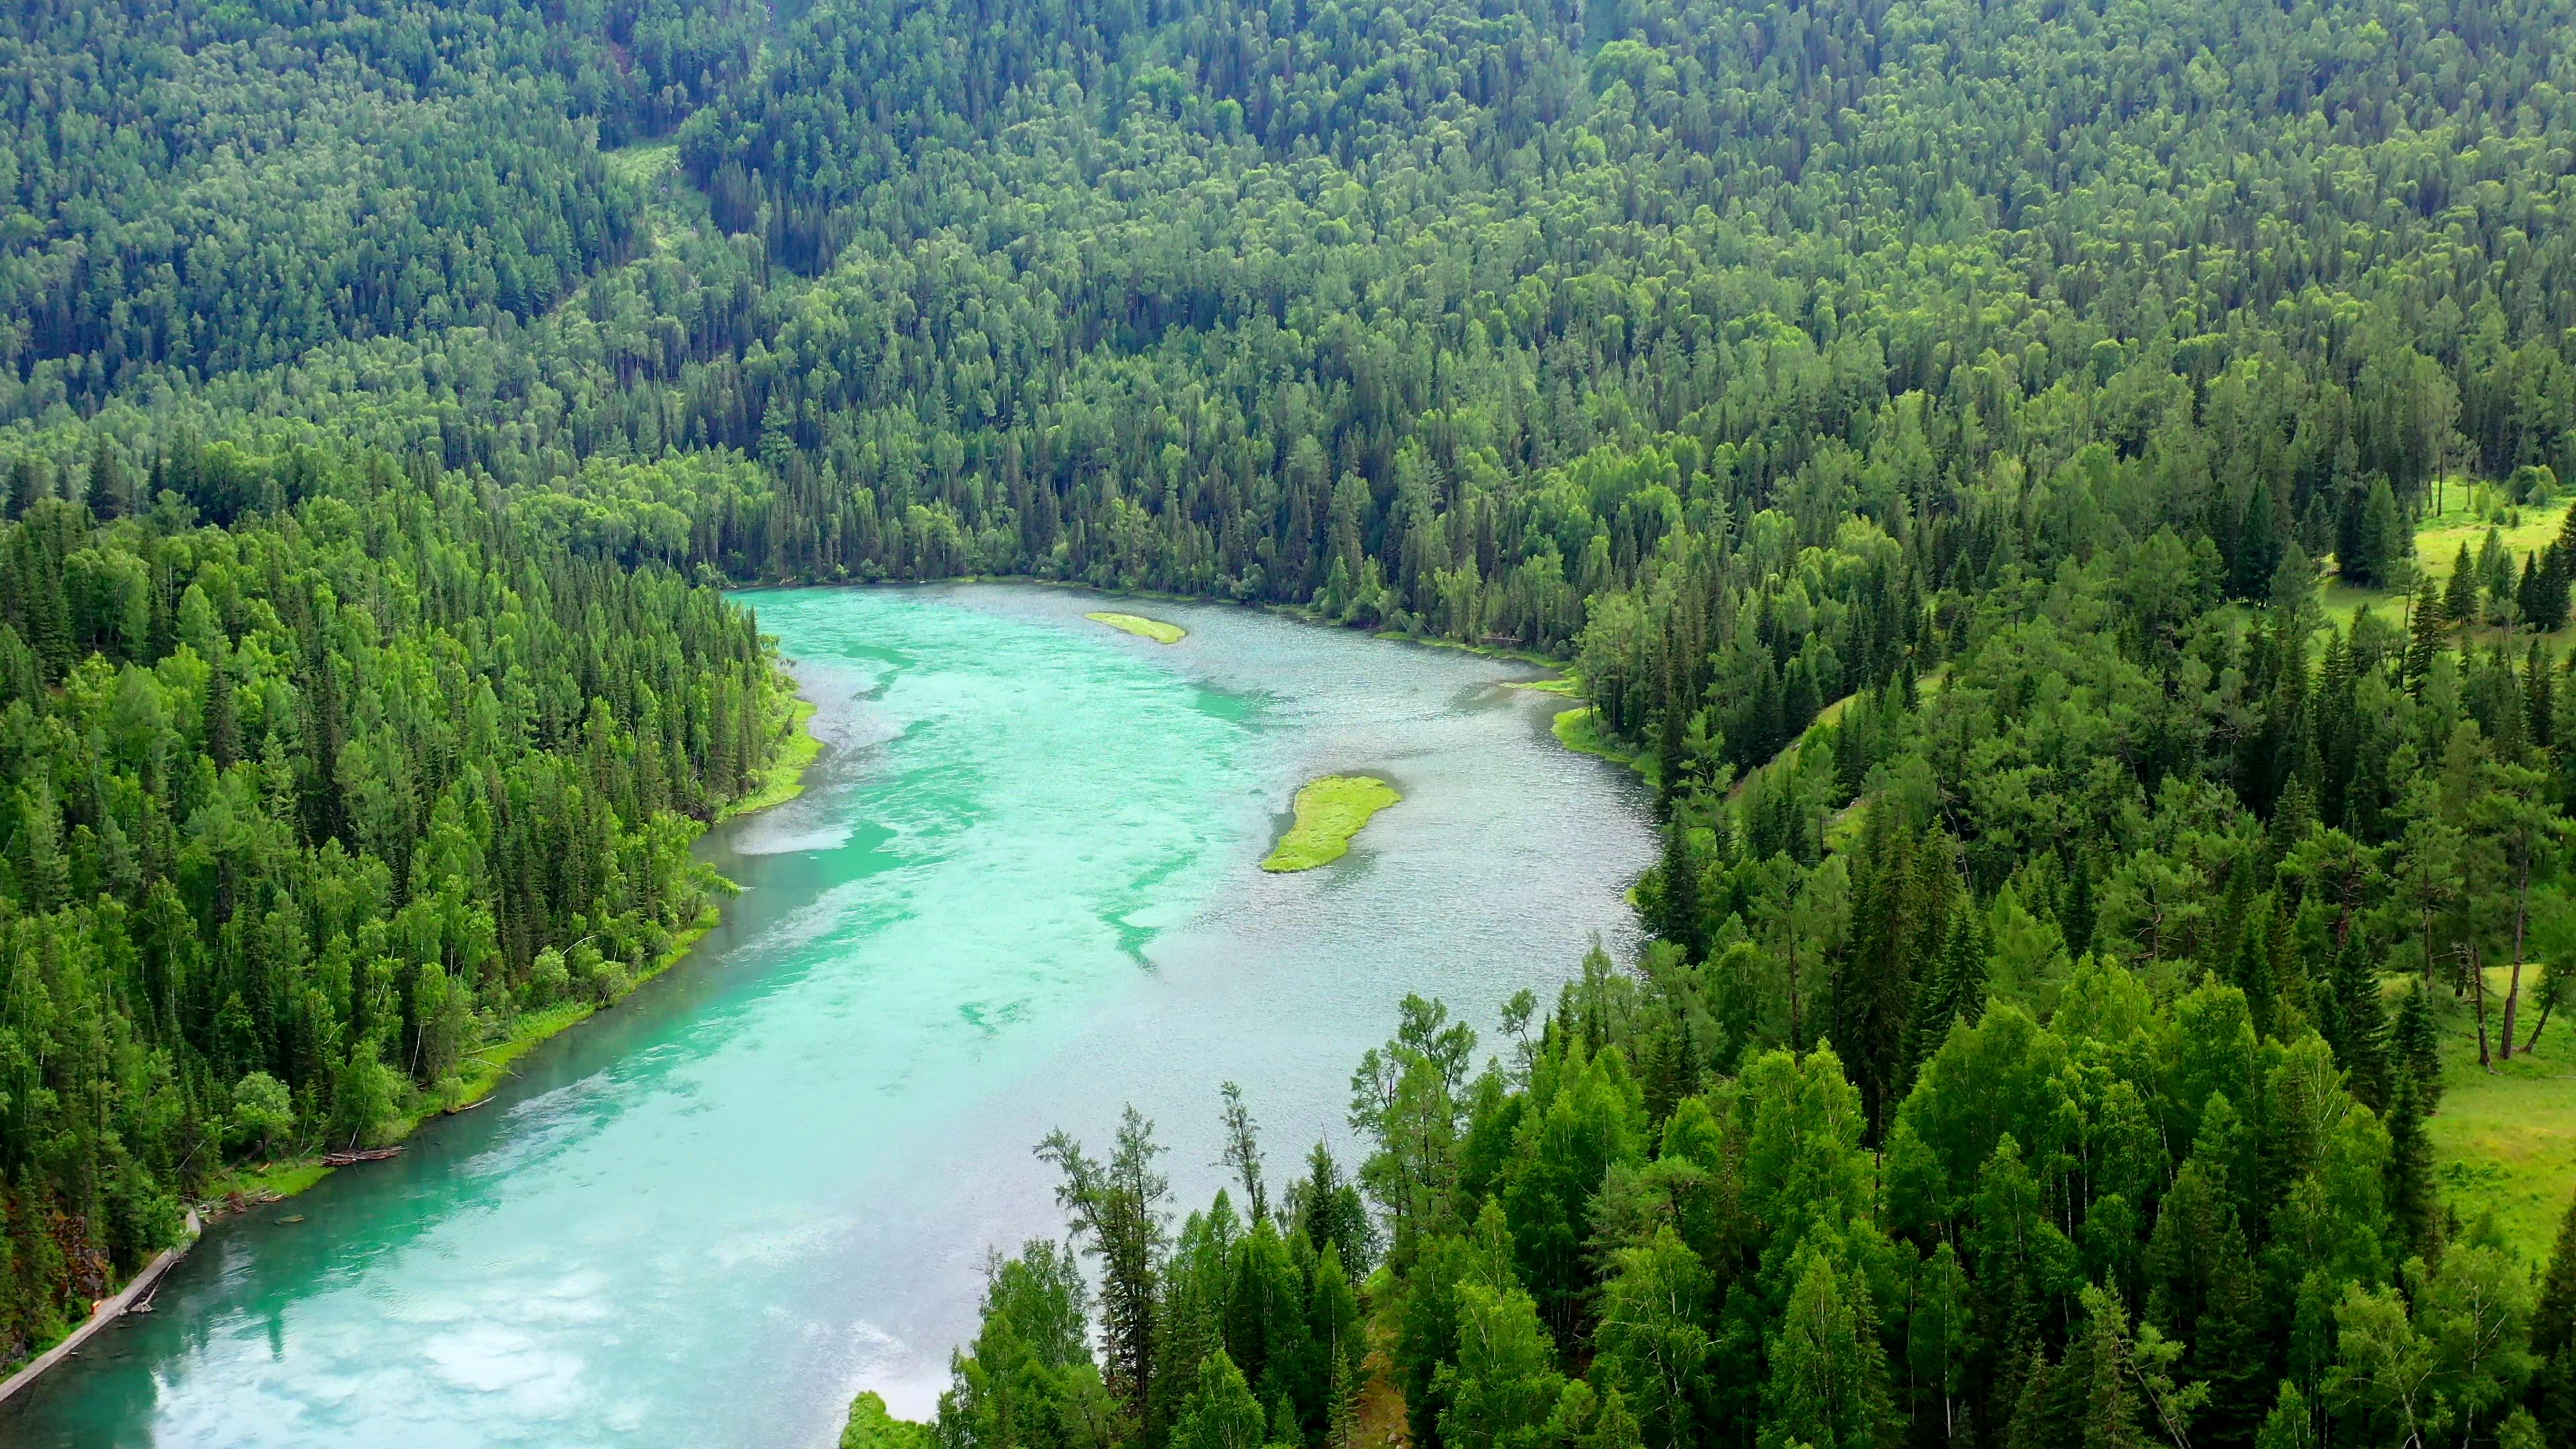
<point>643,164</point>
<point>2504,1141</point>
<point>1140,626</point>
<point>784,780</point>
<point>1577,730</point>
<point>1329,812</point>
<point>2437,546</point>
<point>1565,684</point>
<point>285,1178</point>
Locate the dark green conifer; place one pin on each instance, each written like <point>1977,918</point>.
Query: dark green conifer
<point>2417,1046</point>
<point>2413,1204</point>
<point>2553,1340</point>
<point>2460,596</point>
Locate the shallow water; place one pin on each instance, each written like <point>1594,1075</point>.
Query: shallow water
<point>1019,890</point>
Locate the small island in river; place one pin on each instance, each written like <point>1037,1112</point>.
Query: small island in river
<point>1330,811</point>
<point>1139,625</point>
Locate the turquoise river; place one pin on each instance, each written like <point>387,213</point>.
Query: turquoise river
<point>1020,889</point>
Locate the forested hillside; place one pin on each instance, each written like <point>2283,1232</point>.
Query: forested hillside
<point>1926,427</point>
<point>303,811</point>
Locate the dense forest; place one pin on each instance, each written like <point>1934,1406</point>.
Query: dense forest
<point>303,810</point>
<point>1933,433</point>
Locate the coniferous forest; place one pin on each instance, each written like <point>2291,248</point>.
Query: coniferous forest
<point>2066,501</point>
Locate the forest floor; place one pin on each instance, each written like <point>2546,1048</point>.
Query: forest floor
<point>1382,1416</point>
<point>2504,1141</point>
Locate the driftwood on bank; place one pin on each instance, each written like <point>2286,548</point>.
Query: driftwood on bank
<point>141,1289</point>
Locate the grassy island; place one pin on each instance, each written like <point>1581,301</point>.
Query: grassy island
<point>1329,812</point>
<point>1142,627</point>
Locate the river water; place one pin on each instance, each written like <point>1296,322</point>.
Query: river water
<point>1019,891</point>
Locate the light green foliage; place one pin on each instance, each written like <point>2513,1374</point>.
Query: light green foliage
<point>1220,1412</point>
<point>1027,1381</point>
<point>1828,1383</point>
<point>871,1427</point>
<point>1502,1387</point>
<point>262,1113</point>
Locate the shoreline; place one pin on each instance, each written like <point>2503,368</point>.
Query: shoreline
<point>1574,734</point>
<point>106,1311</point>
<point>275,1182</point>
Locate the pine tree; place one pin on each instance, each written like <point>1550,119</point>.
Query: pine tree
<point>2075,917</point>
<point>2426,622</point>
<point>2460,596</point>
<point>2553,1340</point>
<point>1118,1207</point>
<point>2417,1046</point>
<point>2361,1045</point>
<point>2412,1202</point>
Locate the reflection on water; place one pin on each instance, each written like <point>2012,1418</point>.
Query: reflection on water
<point>1019,890</point>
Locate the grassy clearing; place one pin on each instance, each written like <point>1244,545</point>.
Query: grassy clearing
<point>1329,812</point>
<point>784,780</point>
<point>1141,627</point>
<point>2504,1142</point>
<point>1564,684</point>
<point>2438,538</point>
<point>643,164</point>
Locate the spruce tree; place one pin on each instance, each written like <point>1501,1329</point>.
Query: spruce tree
<point>2075,916</point>
<point>27,484</point>
<point>2426,623</point>
<point>2385,534</point>
<point>110,494</point>
<point>2412,1203</point>
<point>2539,697</point>
<point>2362,1049</point>
<point>2417,1046</point>
<point>2553,1340</point>
<point>2460,597</point>
<point>1677,914</point>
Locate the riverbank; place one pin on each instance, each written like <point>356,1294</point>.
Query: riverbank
<point>488,1066</point>
<point>106,1311</point>
<point>241,1189</point>
<point>1577,730</point>
<point>784,780</point>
